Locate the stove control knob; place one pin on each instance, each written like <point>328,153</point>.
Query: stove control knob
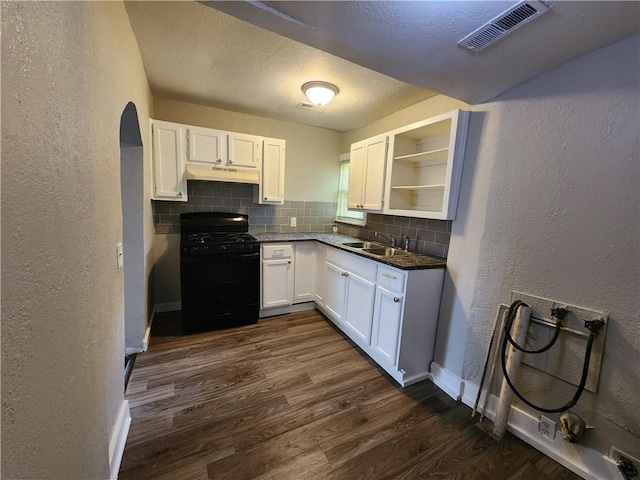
<point>223,248</point>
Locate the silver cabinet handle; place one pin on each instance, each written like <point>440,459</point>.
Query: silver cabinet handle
<point>289,262</point>
<point>396,299</point>
<point>230,161</point>
<point>345,274</point>
<point>219,160</point>
<point>389,276</point>
<point>180,194</point>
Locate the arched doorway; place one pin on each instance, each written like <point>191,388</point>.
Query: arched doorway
<point>132,196</point>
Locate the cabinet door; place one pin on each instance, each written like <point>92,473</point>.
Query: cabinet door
<point>206,145</point>
<point>359,307</point>
<point>170,181</point>
<point>272,184</point>
<point>387,318</point>
<point>321,273</point>
<point>335,293</point>
<point>356,175</point>
<point>277,283</point>
<point>376,154</point>
<point>304,277</point>
<point>244,150</point>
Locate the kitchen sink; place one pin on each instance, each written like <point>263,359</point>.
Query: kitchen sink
<point>363,245</point>
<point>386,251</point>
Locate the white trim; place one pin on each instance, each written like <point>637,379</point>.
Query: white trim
<point>167,307</point>
<point>448,382</point>
<point>119,439</point>
<point>147,333</point>
<point>298,307</point>
<point>586,462</point>
<point>406,381</point>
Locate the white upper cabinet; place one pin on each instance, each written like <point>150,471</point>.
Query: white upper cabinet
<point>170,181</point>
<point>206,145</point>
<point>425,167</point>
<point>243,150</point>
<point>271,187</point>
<point>366,173</point>
<point>182,152</point>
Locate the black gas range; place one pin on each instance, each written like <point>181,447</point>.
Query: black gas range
<point>219,271</point>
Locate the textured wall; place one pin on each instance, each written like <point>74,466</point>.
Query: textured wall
<point>68,71</point>
<point>312,168</point>
<point>550,206</point>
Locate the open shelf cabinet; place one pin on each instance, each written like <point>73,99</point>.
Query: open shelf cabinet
<point>423,176</point>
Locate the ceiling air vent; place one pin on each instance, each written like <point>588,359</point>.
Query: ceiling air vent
<point>313,108</point>
<point>503,24</point>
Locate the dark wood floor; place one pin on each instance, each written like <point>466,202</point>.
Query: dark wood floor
<point>292,398</point>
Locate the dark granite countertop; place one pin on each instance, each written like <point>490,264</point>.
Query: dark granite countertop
<point>415,261</point>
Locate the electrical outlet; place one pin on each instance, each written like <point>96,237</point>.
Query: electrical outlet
<point>335,229</point>
<point>293,222</point>
<point>547,428</point>
<point>616,454</point>
<point>119,256</point>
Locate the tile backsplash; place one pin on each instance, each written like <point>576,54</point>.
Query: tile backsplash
<point>427,236</point>
<point>206,196</point>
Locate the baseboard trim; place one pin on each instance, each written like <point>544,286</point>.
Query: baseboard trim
<point>147,333</point>
<point>446,381</point>
<point>167,307</point>
<point>119,439</point>
<point>583,461</point>
<point>298,307</point>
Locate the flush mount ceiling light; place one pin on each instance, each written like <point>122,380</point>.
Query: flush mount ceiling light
<point>320,93</point>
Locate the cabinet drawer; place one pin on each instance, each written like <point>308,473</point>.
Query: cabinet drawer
<point>353,263</point>
<point>278,250</point>
<point>391,279</point>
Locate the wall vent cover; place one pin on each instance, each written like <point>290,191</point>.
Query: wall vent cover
<point>505,23</point>
<point>312,107</point>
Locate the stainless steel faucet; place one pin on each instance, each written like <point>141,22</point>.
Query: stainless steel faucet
<point>405,245</point>
<point>388,236</point>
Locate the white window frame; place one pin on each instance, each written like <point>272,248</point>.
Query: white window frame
<point>343,214</point>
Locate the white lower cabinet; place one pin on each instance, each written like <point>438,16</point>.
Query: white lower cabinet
<point>392,314</point>
<point>321,260</point>
<point>359,306</point>
<point>288,274</point>
<point>335,292</point>
<point>277,275</point>
<point>304,277</point>
<point>387,319</point>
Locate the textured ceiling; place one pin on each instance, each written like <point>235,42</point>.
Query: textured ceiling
<point>200,55</point>
<point>212,57</point>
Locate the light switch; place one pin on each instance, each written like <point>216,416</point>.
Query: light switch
<point>120,255</point>
<point>293,222</point>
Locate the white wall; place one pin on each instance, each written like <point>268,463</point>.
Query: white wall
<point>68,71</point>
<point>550,206</point>
<point>312,166</point>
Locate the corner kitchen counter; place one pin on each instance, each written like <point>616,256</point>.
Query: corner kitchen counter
<point>415,261</point>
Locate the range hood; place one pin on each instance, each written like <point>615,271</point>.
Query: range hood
<point>222,174</point>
